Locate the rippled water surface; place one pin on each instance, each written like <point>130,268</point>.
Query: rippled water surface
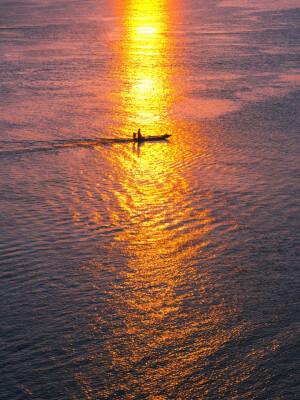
<point>165,270</point>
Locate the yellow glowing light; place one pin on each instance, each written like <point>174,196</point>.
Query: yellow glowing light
<point>145,63</point>
<point>149,212</point>
<point>145,30</point>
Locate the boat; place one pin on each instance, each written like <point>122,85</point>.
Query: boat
<point>151,138</point>
<point>104,141</point>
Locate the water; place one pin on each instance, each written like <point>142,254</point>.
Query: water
<point>167,270</point>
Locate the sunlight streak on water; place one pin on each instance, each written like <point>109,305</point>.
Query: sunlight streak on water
<point>145,67</point>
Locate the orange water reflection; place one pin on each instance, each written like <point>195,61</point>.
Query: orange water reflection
<point>154,312</point>
<point>145,70</point>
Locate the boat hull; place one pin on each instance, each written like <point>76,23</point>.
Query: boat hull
<point>151,138</point>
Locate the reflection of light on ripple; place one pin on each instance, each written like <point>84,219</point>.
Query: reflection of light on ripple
<point>162,333</point>
<point>162,317</point>
<point>156,312</point>
<point>145,65</point>
<point>158,299</point>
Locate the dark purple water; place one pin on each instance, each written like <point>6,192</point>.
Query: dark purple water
<point>168,270</point>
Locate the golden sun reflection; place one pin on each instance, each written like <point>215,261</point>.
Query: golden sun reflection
<point>161,315</point>
<point>146,64</point>
<point>153,228</point>
<point>160,232</point>
<point>157,315</point>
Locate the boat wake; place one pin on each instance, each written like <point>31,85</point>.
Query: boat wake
<point>9,148</point>
<point>19,147</point>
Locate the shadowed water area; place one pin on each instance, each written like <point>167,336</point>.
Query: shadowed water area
<point>166,270</point>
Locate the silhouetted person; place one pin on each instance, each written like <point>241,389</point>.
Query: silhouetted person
<point>139,136</point>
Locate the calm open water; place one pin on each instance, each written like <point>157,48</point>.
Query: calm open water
<point>162,271</point>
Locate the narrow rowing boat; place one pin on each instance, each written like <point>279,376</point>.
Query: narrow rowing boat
<point>104,141</point>
<point>151,138</point>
